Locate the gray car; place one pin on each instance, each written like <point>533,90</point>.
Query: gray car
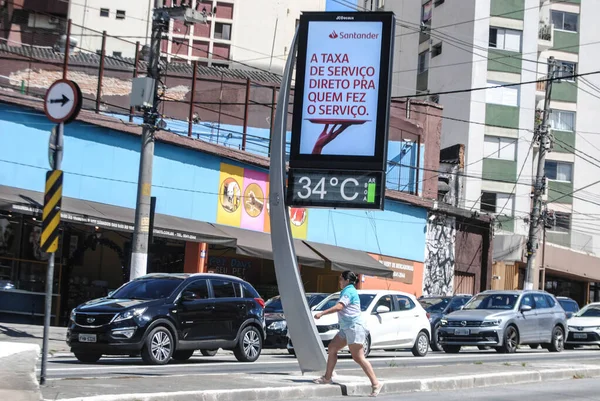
<point>504,320</point>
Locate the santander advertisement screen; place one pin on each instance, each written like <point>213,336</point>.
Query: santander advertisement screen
<point>341,86</point>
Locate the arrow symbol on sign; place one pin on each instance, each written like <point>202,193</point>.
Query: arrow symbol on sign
<point>62,101</point>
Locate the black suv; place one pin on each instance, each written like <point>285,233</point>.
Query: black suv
<point>163,316</point>
<point>438,306</point>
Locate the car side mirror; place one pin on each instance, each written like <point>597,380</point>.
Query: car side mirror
<point>525,308</point>
<point>110,294</point>
<point>382,309</point>
<point>569,315</point>
<point>188,296</point>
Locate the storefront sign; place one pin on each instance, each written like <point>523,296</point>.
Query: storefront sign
<point>403,269</point>
<point>230,265</point>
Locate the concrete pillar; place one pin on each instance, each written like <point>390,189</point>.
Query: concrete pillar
<point>196,254</point>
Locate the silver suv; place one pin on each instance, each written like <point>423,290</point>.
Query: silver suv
<point>504,320</point>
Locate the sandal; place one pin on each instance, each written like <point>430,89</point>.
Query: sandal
<point>376,389</point>
<point>322,380</point>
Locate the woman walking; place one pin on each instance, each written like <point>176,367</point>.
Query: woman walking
<point>352,332</point>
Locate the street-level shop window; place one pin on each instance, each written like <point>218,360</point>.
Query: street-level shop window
<point>120,14</point>
<point>559,171</point>
<point>104,12</point>
<point>423,62</point>
<point>505,39</point>
<point>565,21</point>
<point>495,202</point>
<point>495,147</point>
<point>562,120</point>
<point>222,31</point>
<point>559,222</point>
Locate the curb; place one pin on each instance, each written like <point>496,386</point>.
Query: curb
<point>341,389</point>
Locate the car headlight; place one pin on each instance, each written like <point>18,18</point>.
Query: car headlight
<point>490,323</point>
<point>136,312</point>
<point>334,327</point>
<point>72,317</point>
<point>444,322</point>
<point>278,325</point>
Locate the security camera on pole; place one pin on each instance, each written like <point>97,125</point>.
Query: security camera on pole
<point>145,96</point>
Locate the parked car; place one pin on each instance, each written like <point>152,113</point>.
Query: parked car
<point>504,320</point>
<point>164,316</point>
<point>438,306</point>
<point>395,320</point>
<point>584,327</point>
<point>275,320</point>
<point>569,305</point>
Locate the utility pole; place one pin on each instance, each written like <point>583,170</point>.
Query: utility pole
<point>160,22</point>
<point>542,135</point>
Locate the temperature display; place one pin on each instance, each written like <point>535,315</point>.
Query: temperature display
<point>336,189</point>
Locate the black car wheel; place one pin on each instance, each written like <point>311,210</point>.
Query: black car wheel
<point>209,352</point>
<point>87,357</point>
<point>249,345</point>
<point>511,340</point>
<point>435,341</point>
<point>451,349</point>
<point>158,347</point>
<point>558,340</point>
<point>421,346</point>
<point>183,355</point>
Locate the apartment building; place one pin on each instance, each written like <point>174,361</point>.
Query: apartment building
<point>256,33</point>
<point>485,43</point>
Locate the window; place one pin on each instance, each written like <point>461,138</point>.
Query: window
<point>222,31</point>
<point>527,300</point>
<point>495,147</point>
<point>423,62</point>
<point>365,301</point>
<point>120,14</point>
<point>504,95</point>
<point>104,12</point>
<point>426,12</point>
<point>559,171</point>
<point>562,120</point>
<point>223,289</point>
<point>560,222</point>
<point>540,301</point>
<point>152,288</point>
<point>404,302</point>
<point>117,54</point>
<point>567,69</point>
<point>550,301</point>
<point>438,2</point>
<point>505,39</point>
<point>386,301</point>
<point>436,50</point>
<point>492,202</point>
<point>565,21</point>
<point>249,291</point>
<point>197,290</point>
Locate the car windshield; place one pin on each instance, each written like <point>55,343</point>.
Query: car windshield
<point>154,288</point>
<point>365,301</point>
<point>274,305</point>
<point>568,305</point>
<point>589,311</point>
<point>434,305</point>
<point>492,301</point>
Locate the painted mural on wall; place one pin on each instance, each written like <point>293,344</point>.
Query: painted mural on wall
<point>438,277</point>
<point>243,201</point>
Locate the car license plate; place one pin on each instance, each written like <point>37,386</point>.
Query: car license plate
<point>87,338</point>
<point>579,335</point>
<point>461,332</point>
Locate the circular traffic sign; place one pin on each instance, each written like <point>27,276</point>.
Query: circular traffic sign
<point>63,101</point>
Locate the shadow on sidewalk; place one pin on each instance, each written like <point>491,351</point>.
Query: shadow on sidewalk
<point>11,332</point>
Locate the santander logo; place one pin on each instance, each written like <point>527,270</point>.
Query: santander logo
<point>354,35</point>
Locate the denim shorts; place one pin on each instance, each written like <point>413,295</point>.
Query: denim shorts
<point>356,334</point>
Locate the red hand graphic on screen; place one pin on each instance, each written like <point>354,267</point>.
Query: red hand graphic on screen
<point>327,137</point>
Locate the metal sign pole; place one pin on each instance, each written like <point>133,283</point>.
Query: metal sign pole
<point>57,158</point>
<point>301,324</point>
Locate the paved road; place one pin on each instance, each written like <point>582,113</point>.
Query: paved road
<point>224,362</point>
<point>564,390</point>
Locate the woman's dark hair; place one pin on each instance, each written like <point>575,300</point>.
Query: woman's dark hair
<point>350,276</point>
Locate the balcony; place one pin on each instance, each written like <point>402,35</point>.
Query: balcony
<point>545,36</point>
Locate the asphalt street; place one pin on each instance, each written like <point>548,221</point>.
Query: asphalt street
<point>224,362</point>
<point>564,390</point>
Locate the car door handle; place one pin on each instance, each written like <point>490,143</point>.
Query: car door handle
<point>209,307</point>
<point>396,317</point>
<point>417,315</point>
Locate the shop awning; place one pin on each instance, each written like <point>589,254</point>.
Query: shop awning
<point>258,245</point>
<point>113,217</point>
<point>349,259</point>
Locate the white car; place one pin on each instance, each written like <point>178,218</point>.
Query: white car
<point>584,327</point>
<point>395,320</point>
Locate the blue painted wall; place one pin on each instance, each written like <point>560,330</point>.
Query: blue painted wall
<point>101,165</point>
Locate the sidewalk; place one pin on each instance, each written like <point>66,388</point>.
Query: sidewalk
<point>32,334</point>
<point>17,372</point>
<point>281,386</point>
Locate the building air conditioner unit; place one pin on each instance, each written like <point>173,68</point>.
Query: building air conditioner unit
<point>53,20</point>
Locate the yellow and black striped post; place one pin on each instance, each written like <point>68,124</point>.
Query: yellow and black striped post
<point>51,214</point>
